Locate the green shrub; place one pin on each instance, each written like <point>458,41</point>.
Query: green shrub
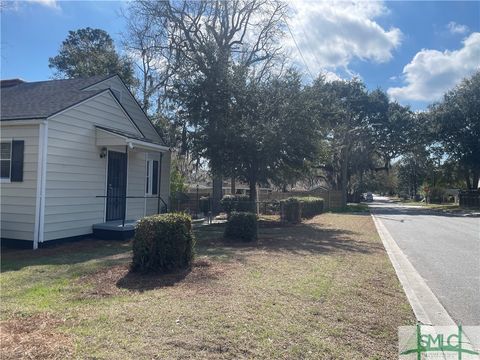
<point>290,210</point>
<point>293,209</point>
<point>436,195</point>
<point>310,206</point>
<point>239,203</point>
<point>204,204</point>
<point>163,243</point>
<point>242,226</point>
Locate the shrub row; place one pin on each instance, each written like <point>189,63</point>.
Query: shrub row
<point>163,243</point>
<point>242,226</point>
<point>293,209</point>
<point>311,206</point>
<point>239,203</point>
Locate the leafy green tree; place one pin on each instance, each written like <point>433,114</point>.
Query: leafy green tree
<point>205,40</point>
<point>177,180</point>
<point>273,133</point>
<point>89,52</point>
<point>456,121</point>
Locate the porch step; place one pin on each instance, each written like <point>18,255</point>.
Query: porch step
<point>113,230</point>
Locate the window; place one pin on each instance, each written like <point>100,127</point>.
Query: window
<point>5,160</point>
<point>11,160</point>
<point>155,177</point>
<point>147,190</point>
<point>152,177</point>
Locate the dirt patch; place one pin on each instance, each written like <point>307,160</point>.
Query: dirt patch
<point>34,338</point>
<point>119,279</point>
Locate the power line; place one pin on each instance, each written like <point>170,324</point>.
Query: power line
<point>298,48</point>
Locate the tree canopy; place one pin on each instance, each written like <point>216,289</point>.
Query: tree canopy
<point>89,52</point>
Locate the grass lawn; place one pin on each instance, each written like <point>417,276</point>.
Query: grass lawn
<point>323,289</point>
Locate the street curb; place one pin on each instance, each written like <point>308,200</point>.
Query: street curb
<point>425,305</point>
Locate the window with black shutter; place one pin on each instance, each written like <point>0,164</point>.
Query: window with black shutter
<point>155,178</point>
<point>5,159</point>
<point>17,160</point>
<point>11,160</point>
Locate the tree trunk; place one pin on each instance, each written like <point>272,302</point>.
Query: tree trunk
<point>467,179</point>
<point>343,173</point>
<point>475,179</point>
<point>232,184</point>
<point>217,194</point>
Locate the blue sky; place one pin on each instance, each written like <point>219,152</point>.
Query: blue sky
<point>413,50</point>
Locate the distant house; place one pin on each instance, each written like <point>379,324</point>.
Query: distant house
<point>75,153</point>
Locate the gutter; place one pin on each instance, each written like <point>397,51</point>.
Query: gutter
<point>38,235</point>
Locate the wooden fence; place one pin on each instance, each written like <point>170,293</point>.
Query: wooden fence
<point>332,198</point>
<point>188,202</point>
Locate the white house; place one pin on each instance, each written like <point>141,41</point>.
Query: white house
<point>76,153</point>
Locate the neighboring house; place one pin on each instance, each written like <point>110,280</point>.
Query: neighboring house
<point>206,188</point>
<point>75,153</point>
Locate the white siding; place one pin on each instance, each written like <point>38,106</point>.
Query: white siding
<point>165,177</point>
<point>18,199</point>
<point>75,172</point>
<point>151,205</point>
<point>130,106</point>
<point>136,185</point>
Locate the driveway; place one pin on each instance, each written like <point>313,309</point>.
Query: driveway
<point>445,251</point>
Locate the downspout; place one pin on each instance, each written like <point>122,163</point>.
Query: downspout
<point>38,235</point>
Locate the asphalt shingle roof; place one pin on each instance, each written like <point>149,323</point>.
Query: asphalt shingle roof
<point>33,100</point>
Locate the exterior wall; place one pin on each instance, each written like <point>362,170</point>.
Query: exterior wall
<point>130,105</point>
<point>75,172</point>
<point>136,185</point>
<point>18,199</point>
<point>165,177</point>
<point>151,205</point>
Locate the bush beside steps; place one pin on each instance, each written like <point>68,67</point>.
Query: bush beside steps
<point>163,243</point>
<point>242,226</point>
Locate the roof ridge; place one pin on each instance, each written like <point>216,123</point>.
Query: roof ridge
<point>100,78</point>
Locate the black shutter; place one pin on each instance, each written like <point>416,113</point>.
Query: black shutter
<point>155,178</point>
<point>17,160</point>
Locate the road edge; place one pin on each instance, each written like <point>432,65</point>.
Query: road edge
<point>427,308</point>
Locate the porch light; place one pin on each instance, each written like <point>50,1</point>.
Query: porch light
<point>103,152</point>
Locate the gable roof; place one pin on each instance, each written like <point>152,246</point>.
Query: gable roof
<point>40,100</point>
<point>131,106</point>
<point>44,98</point>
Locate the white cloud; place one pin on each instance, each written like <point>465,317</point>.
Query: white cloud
<point>332,34</point>
<point>431,72</point>
<point>16,5</point>
<point>455,28</point>
<point>48,3</point>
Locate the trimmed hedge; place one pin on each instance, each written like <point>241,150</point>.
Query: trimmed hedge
<point>294,209</point>
<point>242,226</point>
<point>163,243</point>
<point>311,206</point>
<point>239,203</point>
<point>290,210</point>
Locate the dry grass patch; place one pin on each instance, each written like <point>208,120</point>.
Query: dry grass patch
<point>34,337</point>
<point>323,289</point>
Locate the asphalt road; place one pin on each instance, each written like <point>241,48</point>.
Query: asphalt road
<point>445,251</point>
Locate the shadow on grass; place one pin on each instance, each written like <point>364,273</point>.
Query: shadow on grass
<point>140,282</point>
<point>68,253</point>
<point>301,239</point>
<point>201,272</point>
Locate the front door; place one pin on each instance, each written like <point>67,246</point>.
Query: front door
<point>116,185</point>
